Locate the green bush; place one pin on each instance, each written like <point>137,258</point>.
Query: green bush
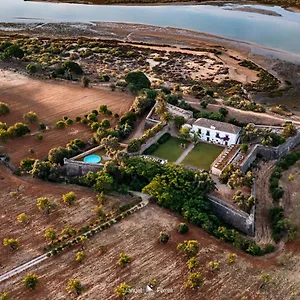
<point>30,117</point>
<point>183,228</point>
<point>151,149</point>
<point>72,67</point>
<point>60,124</point>
<point>30,68</point>
<point>4,109</point>
<point>138,80</point>
<point>18,130</point>
<point>164,138</point>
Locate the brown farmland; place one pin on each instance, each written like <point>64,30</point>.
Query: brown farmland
<point>51,101</point>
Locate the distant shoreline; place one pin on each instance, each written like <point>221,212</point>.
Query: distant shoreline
<point>294,7</point>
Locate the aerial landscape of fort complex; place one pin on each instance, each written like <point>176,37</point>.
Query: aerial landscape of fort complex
<point>149,149</point>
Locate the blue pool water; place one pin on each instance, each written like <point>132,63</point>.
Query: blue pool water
<point>92,159</point>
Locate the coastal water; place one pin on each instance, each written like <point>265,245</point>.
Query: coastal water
<point>272,31</point>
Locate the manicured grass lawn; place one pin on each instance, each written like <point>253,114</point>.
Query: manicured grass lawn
<point>203,155</point>
<point>171,149</point>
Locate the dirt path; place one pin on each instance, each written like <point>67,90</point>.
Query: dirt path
<point>263,232</point>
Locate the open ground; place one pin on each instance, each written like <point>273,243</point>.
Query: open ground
<point>19,195</point>
<point>138,237</point>
<point>52,101</point>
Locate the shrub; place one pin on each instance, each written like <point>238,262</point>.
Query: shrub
<point>13,244</point>
<point>134,146</point>
<point>269,248</point>
<point>85,81</point>
<point>31,281</point>
<point>112,87</point>
<point>39,137</point>
<point>22,218</point>
<point>192,263</point>
<point>151,149</point>
<point>123,290</point>
<point>244,148</point>
<point>69,122</point>
<point>183,228</point>
<point>164,237</point>
<point>72,67</point>
<point>18,130</point>
<point>42,126</point>
<point>80,256</point>
<point>105,123</point>
<point>75,286</point>
<point>4,136</point>
<point>60,124</point>
<point>138,80</point>
<point>124,259</point>
<point>78,119</point>
<point>164,138</point>
<point>195,280</point>
<point>27,164</point>
<point>30,68</point>
<point>189,248</point>
<point>4,109</point>
<point>69,198</point>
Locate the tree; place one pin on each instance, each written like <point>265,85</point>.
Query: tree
<point>75,286</point>
<point>103,109</point>
<point>80,256</point>
<point>27,164</point>
<point>124,260</point>
<point>123,290</point>
<point>30,117</point>
<point>57,155</point>
<point>4,296</point>
<point>184,132</point>
<point>194,281</point>
<point>244,148</point>
<point>22,218</point>
<point>204,104</point>
<point>41,169</point>
<point>289,130</point>
<point>31,281</point>
<point>189,248</point>
<point>166,117</point>
<point>134,145</point>
<point>44,204</point>
<point>13,244</point>
<point>50,234</point>
<point>104,183</point>
<point>60,124</point>
<point>30,68</point>
<point>105,123</point>
<point>164,237</point>
<point>192,263</point>
<point>213,265</point>
<point>223,111</point>
<point>138,80</point>
<point>72,67</point>
<point>4,109</point>
<point>85,81</point>
<point>183,228</point>
<point>179,121</point>
<point>69,198</point>
<point>18,130</point>
<point>12,51</point>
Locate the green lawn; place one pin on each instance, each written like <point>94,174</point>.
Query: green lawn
<point>171,149</point>
<point>203,155</point>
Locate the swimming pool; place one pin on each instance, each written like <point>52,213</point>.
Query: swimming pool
<point>92,159</point>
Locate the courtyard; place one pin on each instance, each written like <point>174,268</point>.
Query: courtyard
<point>202,155</point>
<point>171,149</point>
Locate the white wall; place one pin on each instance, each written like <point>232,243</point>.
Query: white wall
<point>212,135</point>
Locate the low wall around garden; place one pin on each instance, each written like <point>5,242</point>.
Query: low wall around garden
<point>270,153</point>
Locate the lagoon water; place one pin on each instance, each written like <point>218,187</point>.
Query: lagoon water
<point>277,32</point>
